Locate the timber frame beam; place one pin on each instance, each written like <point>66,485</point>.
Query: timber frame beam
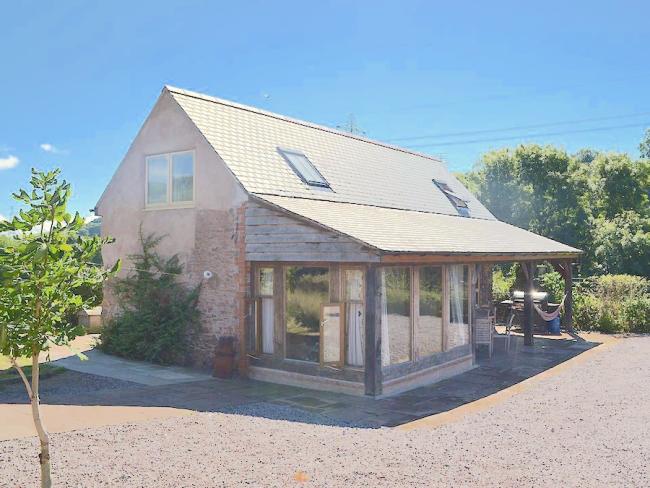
<point>412,258</point>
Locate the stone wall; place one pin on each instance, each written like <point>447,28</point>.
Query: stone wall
<point>218,239</point>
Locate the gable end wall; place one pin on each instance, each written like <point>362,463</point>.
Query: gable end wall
<point>272,235</point>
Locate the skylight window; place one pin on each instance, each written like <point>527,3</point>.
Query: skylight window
<point>304,168</point>
<point>457,202</point>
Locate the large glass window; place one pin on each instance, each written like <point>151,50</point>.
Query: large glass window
<point>458,330</point>
<point>428,328</point>
<point>354,323</point>
<point>306,289</point>
<point>170,178</point>
<point>396,315</point>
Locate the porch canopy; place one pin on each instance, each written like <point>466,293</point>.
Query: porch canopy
<point>414,235</point>
<point>408,236</point>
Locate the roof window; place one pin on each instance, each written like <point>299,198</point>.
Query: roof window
<point>304,168</point>
<point>459,204</point>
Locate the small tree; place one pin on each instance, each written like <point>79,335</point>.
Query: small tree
<point>41,274</point>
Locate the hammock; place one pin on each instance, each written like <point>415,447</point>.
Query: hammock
<point>552,315</point>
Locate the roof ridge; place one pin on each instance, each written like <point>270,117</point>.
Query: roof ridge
<point>284,118</point>
<point>262,195</point>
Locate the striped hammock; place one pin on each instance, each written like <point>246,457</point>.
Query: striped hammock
<point>552,315</point>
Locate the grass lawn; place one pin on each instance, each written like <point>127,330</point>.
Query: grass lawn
<point>7,371</point>
<point>5,363</point>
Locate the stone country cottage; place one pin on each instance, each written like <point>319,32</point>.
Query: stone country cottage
<point>337,262</point>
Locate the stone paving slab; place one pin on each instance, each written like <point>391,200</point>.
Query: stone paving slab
<point>158,386</point>
<point>101,364</point>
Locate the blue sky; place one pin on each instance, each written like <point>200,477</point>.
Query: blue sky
<point>80,77</point>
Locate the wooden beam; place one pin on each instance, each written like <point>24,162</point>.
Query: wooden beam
<point>529,312</point>
<point>373,375</point>
<point>568,301</point>
<point>412,258</point>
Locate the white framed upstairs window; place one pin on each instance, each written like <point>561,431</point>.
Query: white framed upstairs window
<point>170,179</point>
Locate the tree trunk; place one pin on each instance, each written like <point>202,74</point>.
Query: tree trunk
<point>44,456</point>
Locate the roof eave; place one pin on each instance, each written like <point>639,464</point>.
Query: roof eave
<point>487,257</point>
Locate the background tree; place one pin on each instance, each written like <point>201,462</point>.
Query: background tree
<point>644,147</point>
<point>41,274</point>
<point>598,202</point>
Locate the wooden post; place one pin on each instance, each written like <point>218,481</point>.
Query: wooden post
<point>373,377</point>
<point>529,317</point>
<point>568,301</point>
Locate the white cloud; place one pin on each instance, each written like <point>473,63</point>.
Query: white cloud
<point>2,217</point>
<point>52,149</point>
<point>9,162</point>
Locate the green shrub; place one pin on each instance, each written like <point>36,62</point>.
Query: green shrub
<point>586,310</point>
<point>613,303</point>
<point>553,284</point>
<point>636,313</point>
<point>608,323</point>
<point>621,286</point>
<point>159,315</point>
<point>503,279</point>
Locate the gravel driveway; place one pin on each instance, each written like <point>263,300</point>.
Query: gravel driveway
<point>587,426</point>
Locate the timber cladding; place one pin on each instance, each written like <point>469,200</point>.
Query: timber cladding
<point>273,236</point>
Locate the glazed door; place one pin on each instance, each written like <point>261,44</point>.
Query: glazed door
<point>331,335</point>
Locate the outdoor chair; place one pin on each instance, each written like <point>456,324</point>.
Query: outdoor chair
<point>484,330</point>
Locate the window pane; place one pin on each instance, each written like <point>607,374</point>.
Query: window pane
<point>305,168</point>
<point>267,317</point>
<point>428,330</point>
<point>396,315</point>
<point>266,282</point>
<point>458,332</point>
<point>252,328</point>
<point>306,290</point>
<point>354,284</point>
<point>354,320</point>
<point>183,177</point>
<point>157,180</point>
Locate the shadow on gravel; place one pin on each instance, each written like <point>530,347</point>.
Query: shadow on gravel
<point>279,402</point>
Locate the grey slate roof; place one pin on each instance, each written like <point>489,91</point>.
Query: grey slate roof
<point>380,195</point>
<point>392,230</point>
<point>358,170</point>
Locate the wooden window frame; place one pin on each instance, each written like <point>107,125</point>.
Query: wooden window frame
<point>170,181</point>
<point>284,268</point>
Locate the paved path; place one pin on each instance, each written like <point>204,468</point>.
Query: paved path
<point>142,373</point>
<point>586,426</point>
<point>109,381</point>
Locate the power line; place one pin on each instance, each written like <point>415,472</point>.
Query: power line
<point>513,93</point>
<point>524,136</point>
<point>520,127</point>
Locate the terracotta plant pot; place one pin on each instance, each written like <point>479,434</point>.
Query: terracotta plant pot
<point>224,358</point>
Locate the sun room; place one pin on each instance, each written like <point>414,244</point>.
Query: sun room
<point>332,312</point>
